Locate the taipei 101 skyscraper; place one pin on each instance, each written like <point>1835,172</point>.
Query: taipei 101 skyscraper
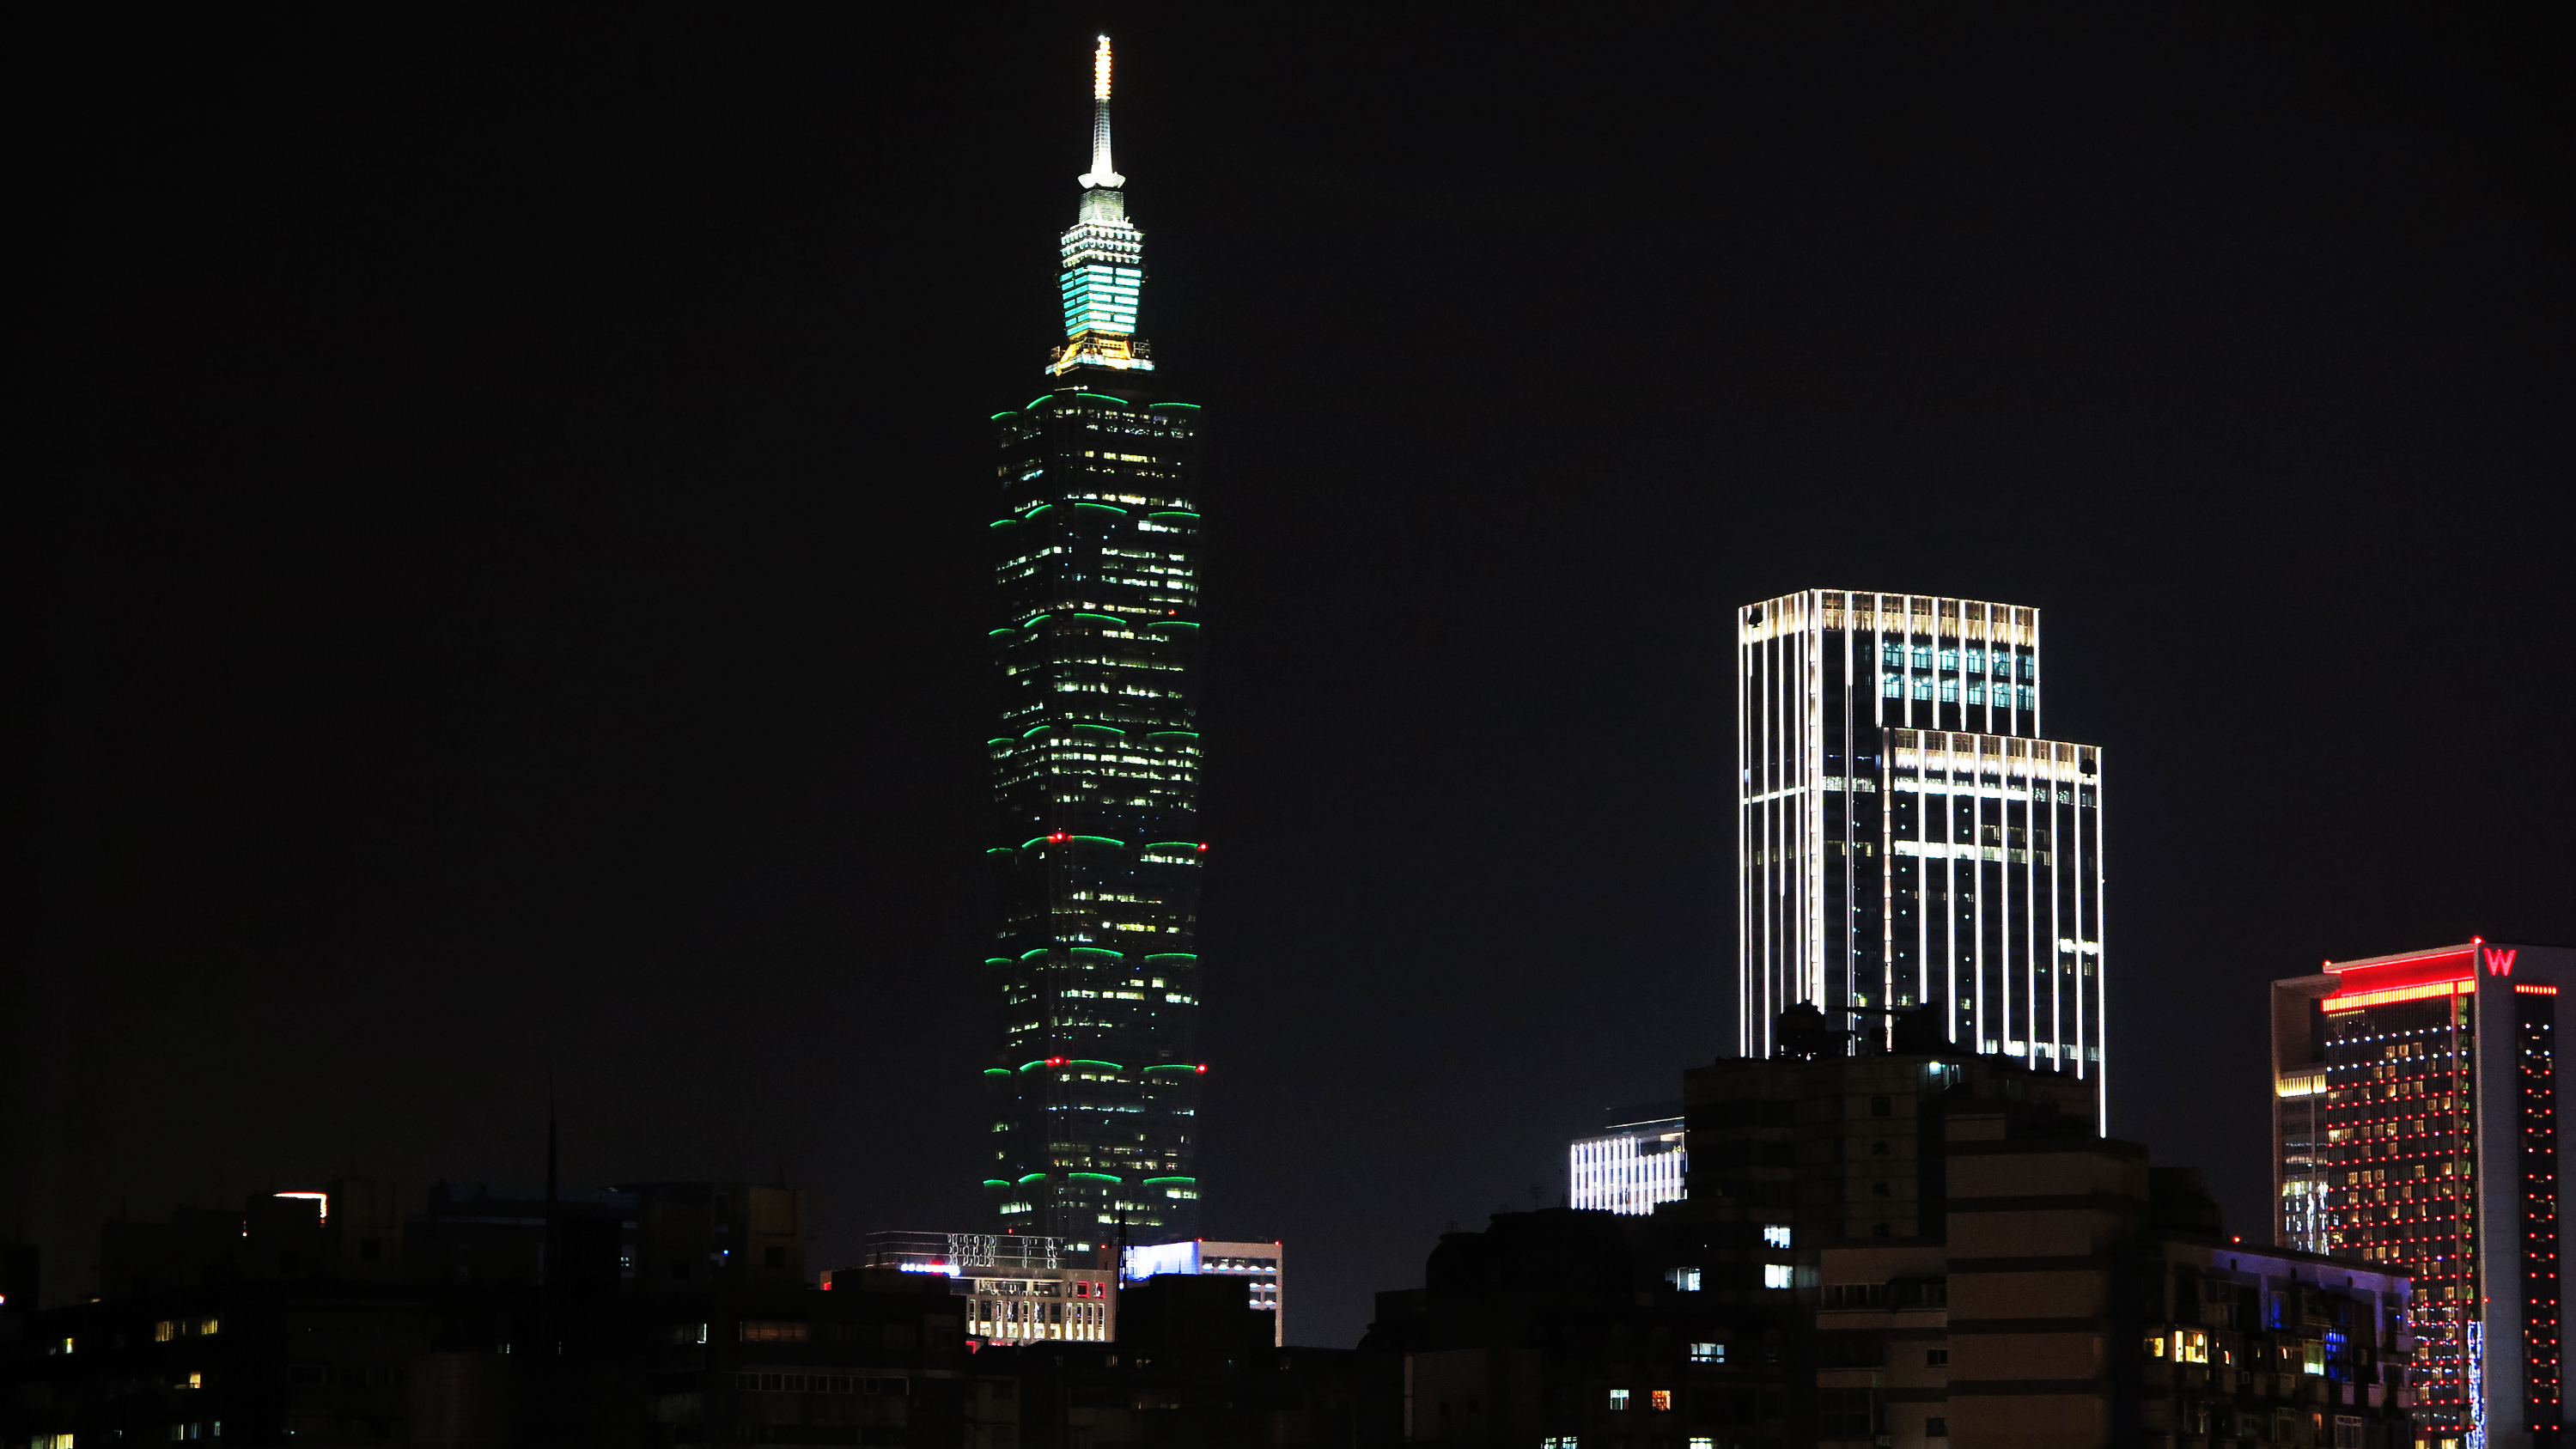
<point>1093,972</point>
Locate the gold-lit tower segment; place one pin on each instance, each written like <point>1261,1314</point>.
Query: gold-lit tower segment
<point>1103,257</point>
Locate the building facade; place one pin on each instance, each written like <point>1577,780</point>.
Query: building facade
<point>1898,1251</point>
<point>1013,1288</point>
<point>1640,1161</point>
<point>1262,1266</point>
<point>1910,843</point>
<point>2415,1128</point>
<point>1092,1075</point>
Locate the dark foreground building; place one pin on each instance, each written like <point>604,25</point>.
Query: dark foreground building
<point>2415,1117</point>
<point>649,1317</point>
<point>1193,1366</point>
<point>1927,1250</point>
<point>665,1314</point>
<point>1093,1077</point>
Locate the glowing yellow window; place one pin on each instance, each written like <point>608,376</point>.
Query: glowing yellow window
<point>164,1331</point>
<point>1661,1400</point>
<point>209,1325</point>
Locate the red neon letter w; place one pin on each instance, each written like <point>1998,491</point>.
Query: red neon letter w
<point>2499,963</point>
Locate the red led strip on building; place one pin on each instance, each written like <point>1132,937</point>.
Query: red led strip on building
<point>2354,1000</point>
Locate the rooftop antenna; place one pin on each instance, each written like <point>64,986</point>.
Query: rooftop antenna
<point>1101,172</point>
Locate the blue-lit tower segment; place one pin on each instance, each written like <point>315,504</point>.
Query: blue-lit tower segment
<point>1104,258</point>
<point>1094,1077</point>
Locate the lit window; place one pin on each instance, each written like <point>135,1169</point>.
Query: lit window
<point>1708,1353</point>
<point>1775,1235</point>
<point>1976,692</point>
<point>1891,655</point>
<point>1660,1400</point>
<point>1923,657</point>
<point>1949,691</point>
<point>164,1331</point>
<point>1949,661</point>
<point>1923,687</point>
<point>1777,1275</point>
<point>1618,1400</point>
<point>1892,687</point>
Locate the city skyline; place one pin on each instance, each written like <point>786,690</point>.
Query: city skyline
<point>511,587</point>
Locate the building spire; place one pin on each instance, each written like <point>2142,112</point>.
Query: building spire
<point>1101,173</point>
<point>1104,258</point>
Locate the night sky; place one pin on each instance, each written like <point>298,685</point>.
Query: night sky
<point>510,580</point>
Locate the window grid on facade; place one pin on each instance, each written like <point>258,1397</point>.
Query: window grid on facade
<point>2416,1130</point>
<point>1909,843</point>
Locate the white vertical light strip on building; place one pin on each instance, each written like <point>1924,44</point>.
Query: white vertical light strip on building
<point>2099,994</point>
<point>1749,1006</point>
<point>1811,794</point>
<point>1616,1173</point>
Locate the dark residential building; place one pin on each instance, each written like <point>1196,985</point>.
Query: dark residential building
<point>1193,1368</point>
<point>1261,1267</point>
<point>283,1319</point>
<point>2079,1296</point>
<point>882,1358</point>
<point>1921,1251</point>
<point>1573,1327</point>
<point>727,1233</point>
<point>493,1317</point>
<point>1908,841</point>
<point>2415,1130</point>
<point>1093,971</point>
<point>20,1276</point>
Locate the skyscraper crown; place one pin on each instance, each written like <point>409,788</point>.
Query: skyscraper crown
<point>1103,253</point>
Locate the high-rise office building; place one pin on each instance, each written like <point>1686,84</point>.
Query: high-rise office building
<point>1094,968</point>
<point>2415,1127</point>
<point>1910,844</point>
<point>1639,1161</point>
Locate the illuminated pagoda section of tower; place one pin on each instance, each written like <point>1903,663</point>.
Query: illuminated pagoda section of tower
<point>1093,1079</point>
